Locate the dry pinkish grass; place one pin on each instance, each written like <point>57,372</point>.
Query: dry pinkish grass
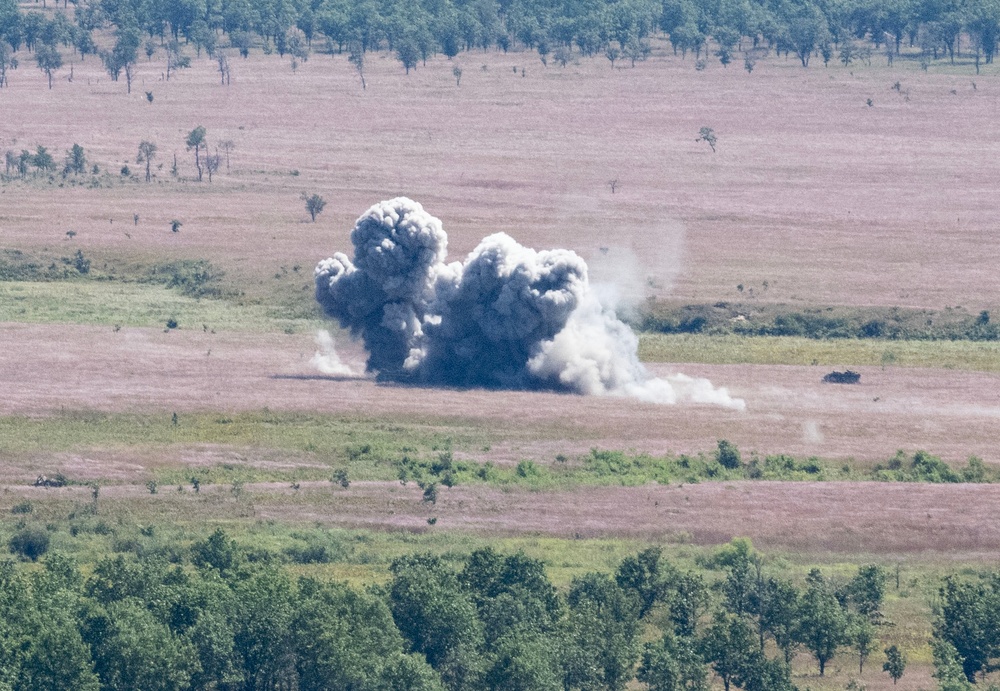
<point>825,198</point>
<point>953,414</point>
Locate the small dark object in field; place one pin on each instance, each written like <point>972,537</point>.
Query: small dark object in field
<point>847,377</point>
<point>57,481</point>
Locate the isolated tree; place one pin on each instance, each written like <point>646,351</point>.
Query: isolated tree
<point>147,152</point>
<point>227,145</point>
<point>196,140</point>
<point>314,204</point>
<point>212,164</point>
<point>457,73</point>
<point>707,134</point>
<point>895,663</point>
<point>49,60</point>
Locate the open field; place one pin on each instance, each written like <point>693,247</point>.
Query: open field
<point>815,197</point>
<point>950,413</point>
<point>827,199</point>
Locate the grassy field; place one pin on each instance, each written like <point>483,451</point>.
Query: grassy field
<point>829,187</point>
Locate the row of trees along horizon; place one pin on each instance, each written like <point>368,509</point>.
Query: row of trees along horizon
<point>846,30</point>
<point>216,615</point>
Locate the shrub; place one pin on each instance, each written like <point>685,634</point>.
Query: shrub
<point>30,543</point>
<point>22,507</point>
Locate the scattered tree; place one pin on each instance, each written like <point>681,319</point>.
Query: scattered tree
<point>223,61</point>
<point>314,204</point>
<point>212,164</point>
<point>49,60</point>
<point>408,54</point>
<point>895,663</point>
<point>147,152</point>
<point>76,161</point>
<point>227,145</point>
<point>6,59</point>
<point>356,56</point>
<point>196,140</point>
<point>707,135</point>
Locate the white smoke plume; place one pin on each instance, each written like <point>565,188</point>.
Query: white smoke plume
<point>507,317</point>
<point>326,359</point>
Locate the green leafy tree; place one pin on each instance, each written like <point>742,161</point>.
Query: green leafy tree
<point>895,663</point>
<point>314,205</point>
<point>970,622</point>
<point>262,630</point>
<point>408,53</point>
<point>823,623</point>
<point>673,664</point>
<point>727,454</point>
<point>218,551</point>
<point>49,60</point>
<point>346,640</point>
<point>147,152</point>
<point>30,543</point>
<point>948,667</point>
<point>6,61</point>
<point>196,141</point>
<point>863,638</point>
<point>133,650</point>
<point>867,590</point>
<point>76,160</point>
<point>434,615</point>
<point>729,646</point>
<point>777,606</point>
<point>42,160</point>
<point>647,576</point>
<point>602,631</point>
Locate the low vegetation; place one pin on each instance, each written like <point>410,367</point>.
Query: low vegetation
<point>770,319</point>
<point>321,447</point>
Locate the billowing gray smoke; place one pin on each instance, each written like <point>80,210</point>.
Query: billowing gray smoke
<point>508,317</point>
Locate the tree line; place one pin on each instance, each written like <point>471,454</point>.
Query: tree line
<point>847,30</point>
<point>220,616</point>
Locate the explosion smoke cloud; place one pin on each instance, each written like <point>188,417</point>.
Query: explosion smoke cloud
<point>506,317</point>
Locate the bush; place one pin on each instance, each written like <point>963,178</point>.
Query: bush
<point>30,543</point>
<point>22,507</point>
